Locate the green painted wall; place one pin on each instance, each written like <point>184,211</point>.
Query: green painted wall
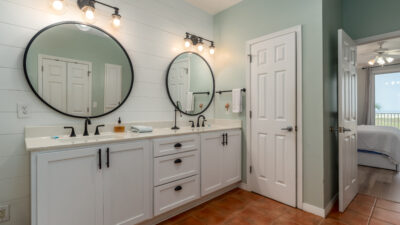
<point>332,21</point>
<point>251,19</point>
<point>363,18</point>
<point>69,42</point>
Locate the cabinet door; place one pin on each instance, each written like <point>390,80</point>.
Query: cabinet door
<point>211,158</point>
<point>69,188</point>
<point>127,183</point>
<point>232,153</point>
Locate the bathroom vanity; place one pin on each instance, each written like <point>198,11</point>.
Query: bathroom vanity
<point>129,178</point>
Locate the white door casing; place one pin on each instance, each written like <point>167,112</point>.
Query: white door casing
<point>348,182</point>
<point>127,183</point>
<point>53,88</point>
<point>273,107</point>
<point>112,87</point>
<point>69,188</point>
<point>78,89</point>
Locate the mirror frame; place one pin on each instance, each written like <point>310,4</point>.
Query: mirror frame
<point>213,79</point>
<point>91,26</point>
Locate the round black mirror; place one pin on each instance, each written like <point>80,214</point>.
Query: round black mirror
<point>78,69</point>
<point>190,83</point>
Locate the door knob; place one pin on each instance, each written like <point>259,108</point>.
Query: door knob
<point>289,128</point>
<point>346,130</point>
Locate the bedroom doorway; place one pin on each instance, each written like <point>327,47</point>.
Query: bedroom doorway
<point>378,122</point>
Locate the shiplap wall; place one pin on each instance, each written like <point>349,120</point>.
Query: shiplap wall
<point>152,33</point>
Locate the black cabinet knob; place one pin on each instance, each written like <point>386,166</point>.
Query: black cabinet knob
<point>177,161</point>
<point>178,145</point>
<point>178,188</point>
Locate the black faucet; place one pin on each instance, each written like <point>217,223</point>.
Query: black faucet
<point>87,121</point>
<point>175,127</point>
<point>198,120</point>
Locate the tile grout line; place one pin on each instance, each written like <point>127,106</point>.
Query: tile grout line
<point>372,211</point>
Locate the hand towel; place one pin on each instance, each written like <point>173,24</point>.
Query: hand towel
<point>237,100</point>
<point>189,101</point>
<point>142,129</point>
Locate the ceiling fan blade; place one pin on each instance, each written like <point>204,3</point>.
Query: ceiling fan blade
<point>392,53</point>
<point>393,50</point>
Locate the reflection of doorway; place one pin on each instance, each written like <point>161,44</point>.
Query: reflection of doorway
<point>112,87</point>
<point>179,82</point>
<point>65,84</point>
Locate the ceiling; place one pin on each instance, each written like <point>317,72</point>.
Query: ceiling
<point>213,6</point>
<point>366,52</point>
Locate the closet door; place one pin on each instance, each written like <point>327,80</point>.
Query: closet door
<point>69,188</point>
<point>79,89</point>
<point>127,183</point>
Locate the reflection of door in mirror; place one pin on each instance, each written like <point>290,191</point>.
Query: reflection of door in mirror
<point>65,84</point>
<point>179,81</point>
<point>112,87</point>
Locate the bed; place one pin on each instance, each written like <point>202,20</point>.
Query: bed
<point>379,147</point>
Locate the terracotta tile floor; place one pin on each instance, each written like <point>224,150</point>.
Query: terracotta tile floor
<point>242,207</point>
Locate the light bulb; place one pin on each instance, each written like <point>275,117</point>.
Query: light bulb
<point>116,20</point>
<point>389,59</point>
<point>58,5</point>
<point>187,43</point>
<point>380,61</point>
<point>212,50</point>
<point>89,13</point>
<point>200,47</point>
<point>371,62</point>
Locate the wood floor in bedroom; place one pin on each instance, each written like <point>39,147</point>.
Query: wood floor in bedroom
<point>380,183</point>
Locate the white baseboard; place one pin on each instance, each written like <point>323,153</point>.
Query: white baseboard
<point>244,186</point>
<point>322,212</point>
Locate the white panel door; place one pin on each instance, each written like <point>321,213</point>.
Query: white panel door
<point>211,162</point>
<point>273,105</point>
<point>69,188</point>
<point>179,80</point>
<point>112,87</point>
<point>54,83</point>
<point>348,182</point>
<point>127,183</point>
<point>78,89</point>
<point>232,155</point>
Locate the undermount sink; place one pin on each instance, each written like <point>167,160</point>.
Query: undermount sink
<point>105,136</point>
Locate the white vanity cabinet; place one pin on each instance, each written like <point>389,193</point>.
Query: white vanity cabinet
<point>102,185</point>
<point>220,160</point>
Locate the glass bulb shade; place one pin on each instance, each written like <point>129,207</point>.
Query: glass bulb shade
<point>212,50</point>
<point>89,12</point>
<point>187,43</point>
<point>371,62</point>
<point>200,47</point>
<point>389,59</point>
<point>380,61</point>
<point>116,20</point>
<point>58,5</point>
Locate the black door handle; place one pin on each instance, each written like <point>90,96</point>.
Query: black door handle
<point>108,158</point>
<point>99,152</point>
<point>177,161</point>
<point>178,145</point>
<point>178,188</point>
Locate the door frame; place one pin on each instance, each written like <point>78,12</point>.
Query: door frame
<point>299,113</point>
<point>41,57</point>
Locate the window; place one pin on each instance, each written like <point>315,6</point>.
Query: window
<point>387,99</point>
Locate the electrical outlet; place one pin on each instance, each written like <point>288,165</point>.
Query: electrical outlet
<point>23,110</point>
<point>4,213</point>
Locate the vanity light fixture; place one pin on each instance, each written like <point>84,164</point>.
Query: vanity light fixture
<point>88,8</point>
<point>191,39</point>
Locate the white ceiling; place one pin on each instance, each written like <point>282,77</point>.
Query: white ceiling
<point>367,52</point>
<point>213,6</point>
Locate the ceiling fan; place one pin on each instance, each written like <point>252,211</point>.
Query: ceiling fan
<point>384,55</point>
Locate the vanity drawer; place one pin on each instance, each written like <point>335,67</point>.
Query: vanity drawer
<point>172,145</point>
<point>175,194</point>
<point>174,167</point>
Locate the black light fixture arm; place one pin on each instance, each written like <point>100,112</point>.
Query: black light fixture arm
<point>83,3</point>
<point>196,39</point>
<point>107,5</point>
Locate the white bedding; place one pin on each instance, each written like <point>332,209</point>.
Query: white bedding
<point>380,139</point>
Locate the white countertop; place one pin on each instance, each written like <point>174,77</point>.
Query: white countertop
<point>35,143</point>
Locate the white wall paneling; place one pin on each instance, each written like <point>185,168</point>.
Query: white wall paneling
<point>152,32</point>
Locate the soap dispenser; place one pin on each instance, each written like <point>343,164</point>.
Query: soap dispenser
<point>119,128</point>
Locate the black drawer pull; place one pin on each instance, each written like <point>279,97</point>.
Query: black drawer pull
<point>177,161</point>
<point>178,188</point>
<point>178,145</point>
